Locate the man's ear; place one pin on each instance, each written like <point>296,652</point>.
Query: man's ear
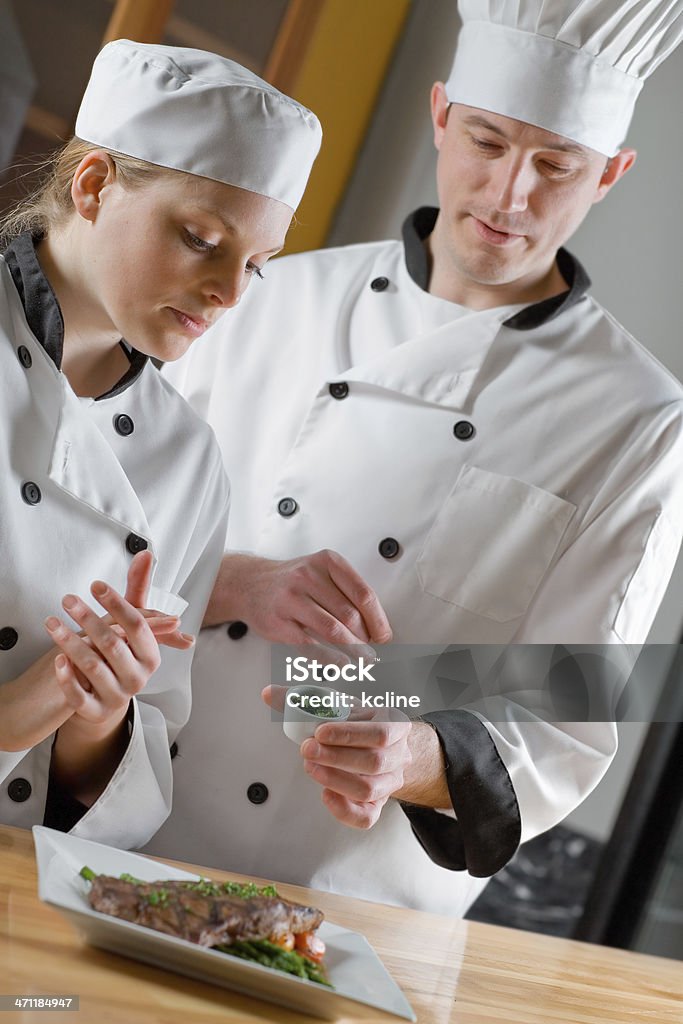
<point>439,105</point>
<point>93,174</point>
<point>616,168</point>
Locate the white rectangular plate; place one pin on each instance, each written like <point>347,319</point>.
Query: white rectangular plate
<point>362,984</point>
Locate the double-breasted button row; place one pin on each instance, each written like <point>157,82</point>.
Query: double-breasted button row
<point>123,425</point>
<point>32,495</point>
<point>19,790</point>
<point>236,630</point>
<point>24,357</point>
<point>8,638</point>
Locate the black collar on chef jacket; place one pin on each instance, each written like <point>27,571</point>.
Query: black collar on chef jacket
<point>43,314</point>
<point>420,224</point>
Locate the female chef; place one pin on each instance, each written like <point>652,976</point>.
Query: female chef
<point>179,184</point>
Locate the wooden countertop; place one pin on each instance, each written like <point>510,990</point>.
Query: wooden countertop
<point>453,972</point>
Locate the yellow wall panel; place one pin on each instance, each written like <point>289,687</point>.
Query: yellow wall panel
<point>340,79</point>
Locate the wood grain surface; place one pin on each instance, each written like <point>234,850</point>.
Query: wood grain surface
<point>452,972</point>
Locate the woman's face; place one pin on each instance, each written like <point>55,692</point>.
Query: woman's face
<point>164,260</point>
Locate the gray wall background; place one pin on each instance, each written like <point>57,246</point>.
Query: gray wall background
<point>17,83</point>
<point>630,245</point>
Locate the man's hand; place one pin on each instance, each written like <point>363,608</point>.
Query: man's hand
<point>359,764</point>
<point>317,597</point>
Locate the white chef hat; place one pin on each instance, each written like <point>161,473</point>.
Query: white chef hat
<point>573,68</point>
<point>197,112</point>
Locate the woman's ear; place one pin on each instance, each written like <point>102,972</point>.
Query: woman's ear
<point>93,174</point>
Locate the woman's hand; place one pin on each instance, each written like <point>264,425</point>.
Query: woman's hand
<point>111,659</point>
<point>99,671</point>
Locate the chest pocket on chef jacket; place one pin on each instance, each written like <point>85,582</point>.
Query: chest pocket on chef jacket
<point>492,543</point>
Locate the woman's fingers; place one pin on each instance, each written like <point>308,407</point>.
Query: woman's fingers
<point>115,649</point>
<point>137,589</point>
<point>140,639</point>
<point>114,655</point>
<point>117,662</point>
<point>139,579</point>
<point>86,659</point>
<point>164,627</point>
<point>173,638</point>
<point>77,697</point>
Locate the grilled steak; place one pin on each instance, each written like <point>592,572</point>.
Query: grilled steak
<point>194,911</point>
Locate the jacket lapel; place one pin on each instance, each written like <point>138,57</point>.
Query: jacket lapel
<point>439,367</point>
<point>84,465</point>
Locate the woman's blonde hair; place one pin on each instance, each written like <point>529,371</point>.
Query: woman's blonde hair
<point>50,204</point>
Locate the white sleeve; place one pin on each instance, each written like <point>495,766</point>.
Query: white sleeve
<point>137,799</point>
<point>513,772</point>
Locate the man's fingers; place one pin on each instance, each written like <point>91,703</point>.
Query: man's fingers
<point>139,579</point>
<point>360,788</point>
<point>351,813</point>
<point>324,615</point>
<point>362,597</point>
<point>274,696</point>
<point>333,616</point>
<point>363,760</point>
<point>316,647</point>
<point>363,734</point>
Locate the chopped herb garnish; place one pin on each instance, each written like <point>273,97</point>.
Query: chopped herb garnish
<point>318,709</point>
<point>158,897</point>
<point>244,890</point>
<point>125,877</point>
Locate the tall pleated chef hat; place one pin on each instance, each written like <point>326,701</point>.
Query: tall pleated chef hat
<point>197,112</point>
<point>575,69</point>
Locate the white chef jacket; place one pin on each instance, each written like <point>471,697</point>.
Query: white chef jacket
<point>86,483</point>
<point>528,464</point>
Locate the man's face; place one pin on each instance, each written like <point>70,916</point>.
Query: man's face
<point>510,194</point>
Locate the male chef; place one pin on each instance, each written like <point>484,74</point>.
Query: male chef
<point>447,440</point>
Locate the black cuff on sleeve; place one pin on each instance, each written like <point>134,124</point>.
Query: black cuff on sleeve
<point>488,827</point>
<point>62,811</point>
